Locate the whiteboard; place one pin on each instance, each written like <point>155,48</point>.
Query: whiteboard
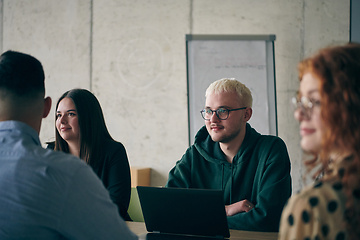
<point>248,58</point>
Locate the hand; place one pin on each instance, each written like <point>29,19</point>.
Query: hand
<point>238,207</point>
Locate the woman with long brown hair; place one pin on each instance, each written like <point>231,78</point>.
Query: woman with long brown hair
<point>328,110</point>
<point>81,131</point>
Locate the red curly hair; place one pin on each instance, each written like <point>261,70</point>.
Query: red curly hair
<point>338,71</point>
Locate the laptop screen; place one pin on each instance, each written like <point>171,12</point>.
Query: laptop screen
<point>199,212</point>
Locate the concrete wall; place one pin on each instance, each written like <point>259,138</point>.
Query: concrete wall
<point>131,54</point>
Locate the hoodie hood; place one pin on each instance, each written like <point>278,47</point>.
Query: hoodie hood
<point>212,152</point>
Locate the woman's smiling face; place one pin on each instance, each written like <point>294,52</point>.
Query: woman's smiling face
<point>67,123</point>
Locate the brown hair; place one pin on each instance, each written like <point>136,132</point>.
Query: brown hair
<point>338,70</point>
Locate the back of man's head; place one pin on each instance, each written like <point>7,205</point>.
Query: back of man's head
<point>22,89</point>
<point>21,75</point>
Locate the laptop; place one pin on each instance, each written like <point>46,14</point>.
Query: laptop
<point>183,213</point>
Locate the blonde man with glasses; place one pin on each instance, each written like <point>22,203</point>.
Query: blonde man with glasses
<point>253,170</point>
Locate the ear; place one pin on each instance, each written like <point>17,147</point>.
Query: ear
<point>47,107</point>
<point>248,114</point>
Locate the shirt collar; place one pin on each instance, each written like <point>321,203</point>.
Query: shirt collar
<point>17,126</point>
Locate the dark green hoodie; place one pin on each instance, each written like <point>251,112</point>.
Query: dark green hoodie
<point>260,173</point>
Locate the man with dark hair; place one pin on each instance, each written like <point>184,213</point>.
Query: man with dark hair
<point>44,194</point>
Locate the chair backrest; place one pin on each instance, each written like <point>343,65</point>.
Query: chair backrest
<point>134,209</point>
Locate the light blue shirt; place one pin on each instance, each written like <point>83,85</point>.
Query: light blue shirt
<point>46,194</point>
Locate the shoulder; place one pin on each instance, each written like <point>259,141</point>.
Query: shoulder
<point>192,149</point>
<point>188,158</point>
<point>271,140</point>
<point>112,152</point>
<point>111,144</point>
<point>53,170</point>
<point>110,147</point>
<point>331,189</point>
<point>271,149</point>
<point>319,195</point>
<point>320,206</point>
<point>195,151</point>
<point>62,162</point>
<point>265,141</point>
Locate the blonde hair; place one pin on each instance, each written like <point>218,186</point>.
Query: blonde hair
<point>228,85</point>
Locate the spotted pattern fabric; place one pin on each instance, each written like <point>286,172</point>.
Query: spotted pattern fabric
<point>316,213</point>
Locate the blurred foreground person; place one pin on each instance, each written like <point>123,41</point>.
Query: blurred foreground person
<point>328,109</point>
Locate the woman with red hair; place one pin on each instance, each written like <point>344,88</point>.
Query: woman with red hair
<point>328,110</point>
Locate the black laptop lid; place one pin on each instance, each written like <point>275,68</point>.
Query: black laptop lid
<point>184,211</point>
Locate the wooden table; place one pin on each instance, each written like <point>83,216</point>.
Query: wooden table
<point>139,229</point>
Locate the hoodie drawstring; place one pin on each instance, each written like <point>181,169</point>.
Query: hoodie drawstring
<point>222,176</point>
<point>231,183</point>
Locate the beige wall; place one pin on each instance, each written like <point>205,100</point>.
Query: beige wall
<point>131,54</point>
